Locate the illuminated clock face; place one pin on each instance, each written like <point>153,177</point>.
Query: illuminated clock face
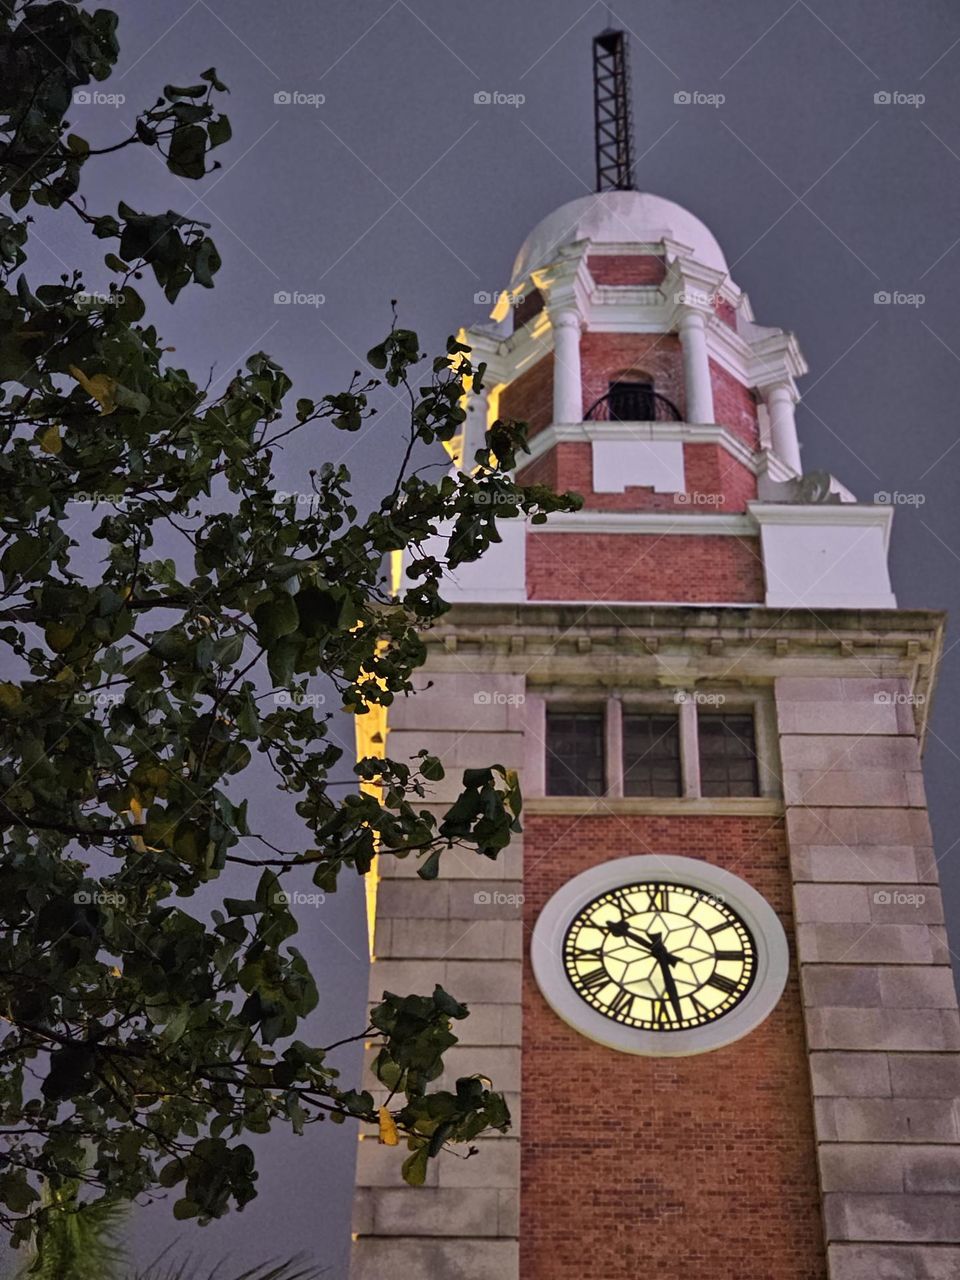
<point>660,956</point>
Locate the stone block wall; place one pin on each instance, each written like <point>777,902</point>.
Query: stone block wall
<point>882,1024</point>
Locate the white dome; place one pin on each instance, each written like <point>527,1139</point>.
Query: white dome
<point>617,217</point>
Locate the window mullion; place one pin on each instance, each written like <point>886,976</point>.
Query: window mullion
<point>614,747</point>
<point>689,747</point>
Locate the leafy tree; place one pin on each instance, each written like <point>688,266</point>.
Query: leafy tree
<point>142,685</point>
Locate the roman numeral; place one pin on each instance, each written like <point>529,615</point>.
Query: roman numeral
<point>718,928</point>
<point>721,983</point>
<point>728,955</point>
<point>594,980</point>
<point>701,1009</point>
<point>622,1004</point>
<point>661,1014</point>
<point>659,898</point>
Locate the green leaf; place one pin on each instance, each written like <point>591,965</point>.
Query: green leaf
<point>188,151</point>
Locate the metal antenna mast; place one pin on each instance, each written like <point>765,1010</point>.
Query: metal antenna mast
<point>613,117</point>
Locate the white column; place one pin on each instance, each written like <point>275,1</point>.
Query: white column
<point>696,366</point>
<point>475,426</point>
<point>567,382</point>
<point>781,406</point>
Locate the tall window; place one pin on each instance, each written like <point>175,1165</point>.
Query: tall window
<point>728,755</point>
<point>575,754</point>
<point>651,755</point>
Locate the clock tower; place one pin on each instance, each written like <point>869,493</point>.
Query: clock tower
<point>712,974</point>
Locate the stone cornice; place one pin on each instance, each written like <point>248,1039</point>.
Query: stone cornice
<point>607,645</point>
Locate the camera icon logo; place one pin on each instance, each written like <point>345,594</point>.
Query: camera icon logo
<point>882,898</point>
<point>882,298</point>
<point>282,298</point>
<point>482,898</point>
<point>282,98</point>
<point>482,698</point>
<point>482,298</point>
<point>682,98</point>
<point>82,98</point>
<point>882,98</point>
<point>82,898</point>
<point>482,98</point>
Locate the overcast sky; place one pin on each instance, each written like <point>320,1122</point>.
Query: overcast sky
<point>399,185</point>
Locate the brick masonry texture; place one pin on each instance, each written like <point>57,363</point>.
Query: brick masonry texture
<point>605,357</point>
<point>691,1166</point>
<point>529,398</point>
<point>734,406</point>
<point>624,566</point>
<point>626,268</point>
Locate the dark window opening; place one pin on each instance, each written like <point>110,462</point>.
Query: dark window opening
<point>728,755</point>
<point>632,402</point>
<point>651,755</point>
<point>575,753</point>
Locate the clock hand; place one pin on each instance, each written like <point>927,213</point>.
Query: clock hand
<point>669,983</point>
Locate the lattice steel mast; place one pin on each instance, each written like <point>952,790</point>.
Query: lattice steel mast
<point>613,117</point>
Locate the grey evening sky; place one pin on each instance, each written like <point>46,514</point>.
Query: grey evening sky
<point>400,186</point>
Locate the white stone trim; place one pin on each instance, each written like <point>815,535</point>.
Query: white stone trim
<point>656,522</point>
<point>773,956</point>
<point>685,432</point>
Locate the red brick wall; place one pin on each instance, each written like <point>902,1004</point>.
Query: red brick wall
<point>710,473</point>
<point>604,357</point>
<point>626,268</point>
<point>734,406</point>
<point>665,1168</point>
<point>529,398</point>
<point>694,568</point>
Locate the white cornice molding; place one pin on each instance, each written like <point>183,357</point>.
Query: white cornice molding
<point>657,522</point>
<point>685,432</point>
<point>823,513</point>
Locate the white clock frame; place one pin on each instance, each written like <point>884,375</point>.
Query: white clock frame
<point>772,955</point>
